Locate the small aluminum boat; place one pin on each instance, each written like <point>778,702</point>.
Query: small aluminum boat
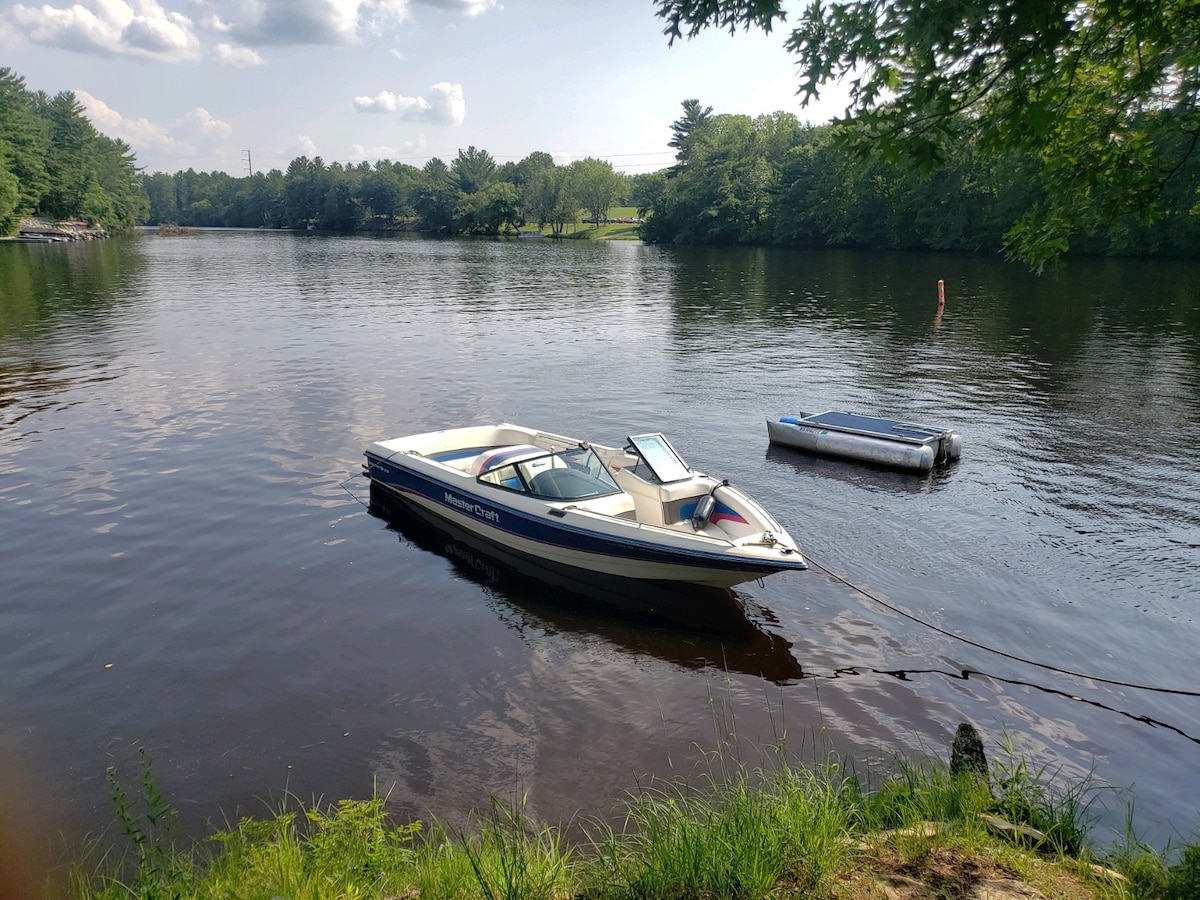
<point>637,511</point>
<point>886,442</point>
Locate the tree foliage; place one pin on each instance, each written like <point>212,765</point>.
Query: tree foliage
<point>473,170</point>
<point>595,186</point>
<point>53,163</point>
<point>471,195</point>
<point>1105,96</point>
<point>772,181</point>
<point>768,180</point>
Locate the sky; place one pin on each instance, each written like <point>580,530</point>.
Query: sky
<point>230,85</point>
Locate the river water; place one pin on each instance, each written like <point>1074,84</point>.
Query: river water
<point>188,563</point>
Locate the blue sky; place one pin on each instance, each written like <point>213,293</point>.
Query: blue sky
<point>198,83</point>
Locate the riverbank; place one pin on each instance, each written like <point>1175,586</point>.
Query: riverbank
<point>926,831</point>
<point>45,231</point>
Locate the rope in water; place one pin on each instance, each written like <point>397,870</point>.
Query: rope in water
<point>1021,659</point>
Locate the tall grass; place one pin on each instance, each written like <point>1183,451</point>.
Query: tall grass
<point>739,837</point>
<point>512,861</point>
<point>735,834</point>
<point>1043,799</point>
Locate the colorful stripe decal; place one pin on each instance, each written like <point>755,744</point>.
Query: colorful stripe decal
<point>501,456</point>
<point>720,512</point>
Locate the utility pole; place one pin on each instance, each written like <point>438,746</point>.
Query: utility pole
<point>249,166</point>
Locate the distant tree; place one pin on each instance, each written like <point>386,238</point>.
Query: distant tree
<point>536,197</point>
<point>721,193</point>
<point>551,198</point>
<point>473,170</point>
<point>26,140</point>
<point>487,211</point>
<point>339,212</point>
<point>10,195</point>
<point>436,196</point>
<point>160,190</point>
<point>528,168</point>
<point>387,189</point>
<point>265,203</point>
<point>1105,95</point>
<point>596,186</point>
<point>117,175</point>
<point>647,191</point>
<point>69,159</point>
<point>686,130</point>
<point>306,184</point>
<point>526,176</point>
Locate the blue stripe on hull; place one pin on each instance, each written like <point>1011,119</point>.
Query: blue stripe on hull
<point>521,524</point>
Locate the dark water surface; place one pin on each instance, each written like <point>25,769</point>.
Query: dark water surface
<point>187,563</point>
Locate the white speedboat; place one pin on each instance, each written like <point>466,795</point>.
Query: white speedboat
<point>638,511</point>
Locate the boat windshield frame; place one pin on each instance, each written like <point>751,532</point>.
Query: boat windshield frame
<point>660,457</point>
<point>576,473</point>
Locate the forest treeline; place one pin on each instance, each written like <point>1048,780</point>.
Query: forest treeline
<point>473,194</point>
<point>55,164</point>
<point>773,181</point>
<point>766,181</point>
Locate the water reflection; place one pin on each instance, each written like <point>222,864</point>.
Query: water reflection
<point>700,629</point>
<point>907,675</point>
<point>689,626</point>
<point>861,474</point>
<point>40,282</point>
<point>888,301</point>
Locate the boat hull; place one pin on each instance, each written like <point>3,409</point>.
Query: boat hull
<point>574,537</point>
<point>883,448</point>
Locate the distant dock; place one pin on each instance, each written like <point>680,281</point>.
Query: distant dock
<point>44,231</point>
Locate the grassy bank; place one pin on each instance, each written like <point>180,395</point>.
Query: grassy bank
<point>612,230</point>
<point>772,832</point>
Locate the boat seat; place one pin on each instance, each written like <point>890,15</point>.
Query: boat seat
<point>660,504</point>
<point>503,456</point>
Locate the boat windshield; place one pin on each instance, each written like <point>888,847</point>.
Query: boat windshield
<point>574,474</point>
<point>657,453</point>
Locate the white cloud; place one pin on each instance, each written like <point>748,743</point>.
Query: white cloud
<point>140,134</point>
<point>238,57</point>
<point>200,124</point>
<point>260,23</point>
<point>175,145</point>
<point>146,29</point>
<point>329,22</point>
<point>468,7</point>
<point>285,22</point>
<point>445,106</point>
<point>138,28</point>
<point>303,146</point>
<point>385,102</point>
<point>407,150</point>
<point>359,152</point>
<point>382,13</point>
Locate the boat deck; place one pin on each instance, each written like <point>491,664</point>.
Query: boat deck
<point>891,429</point>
